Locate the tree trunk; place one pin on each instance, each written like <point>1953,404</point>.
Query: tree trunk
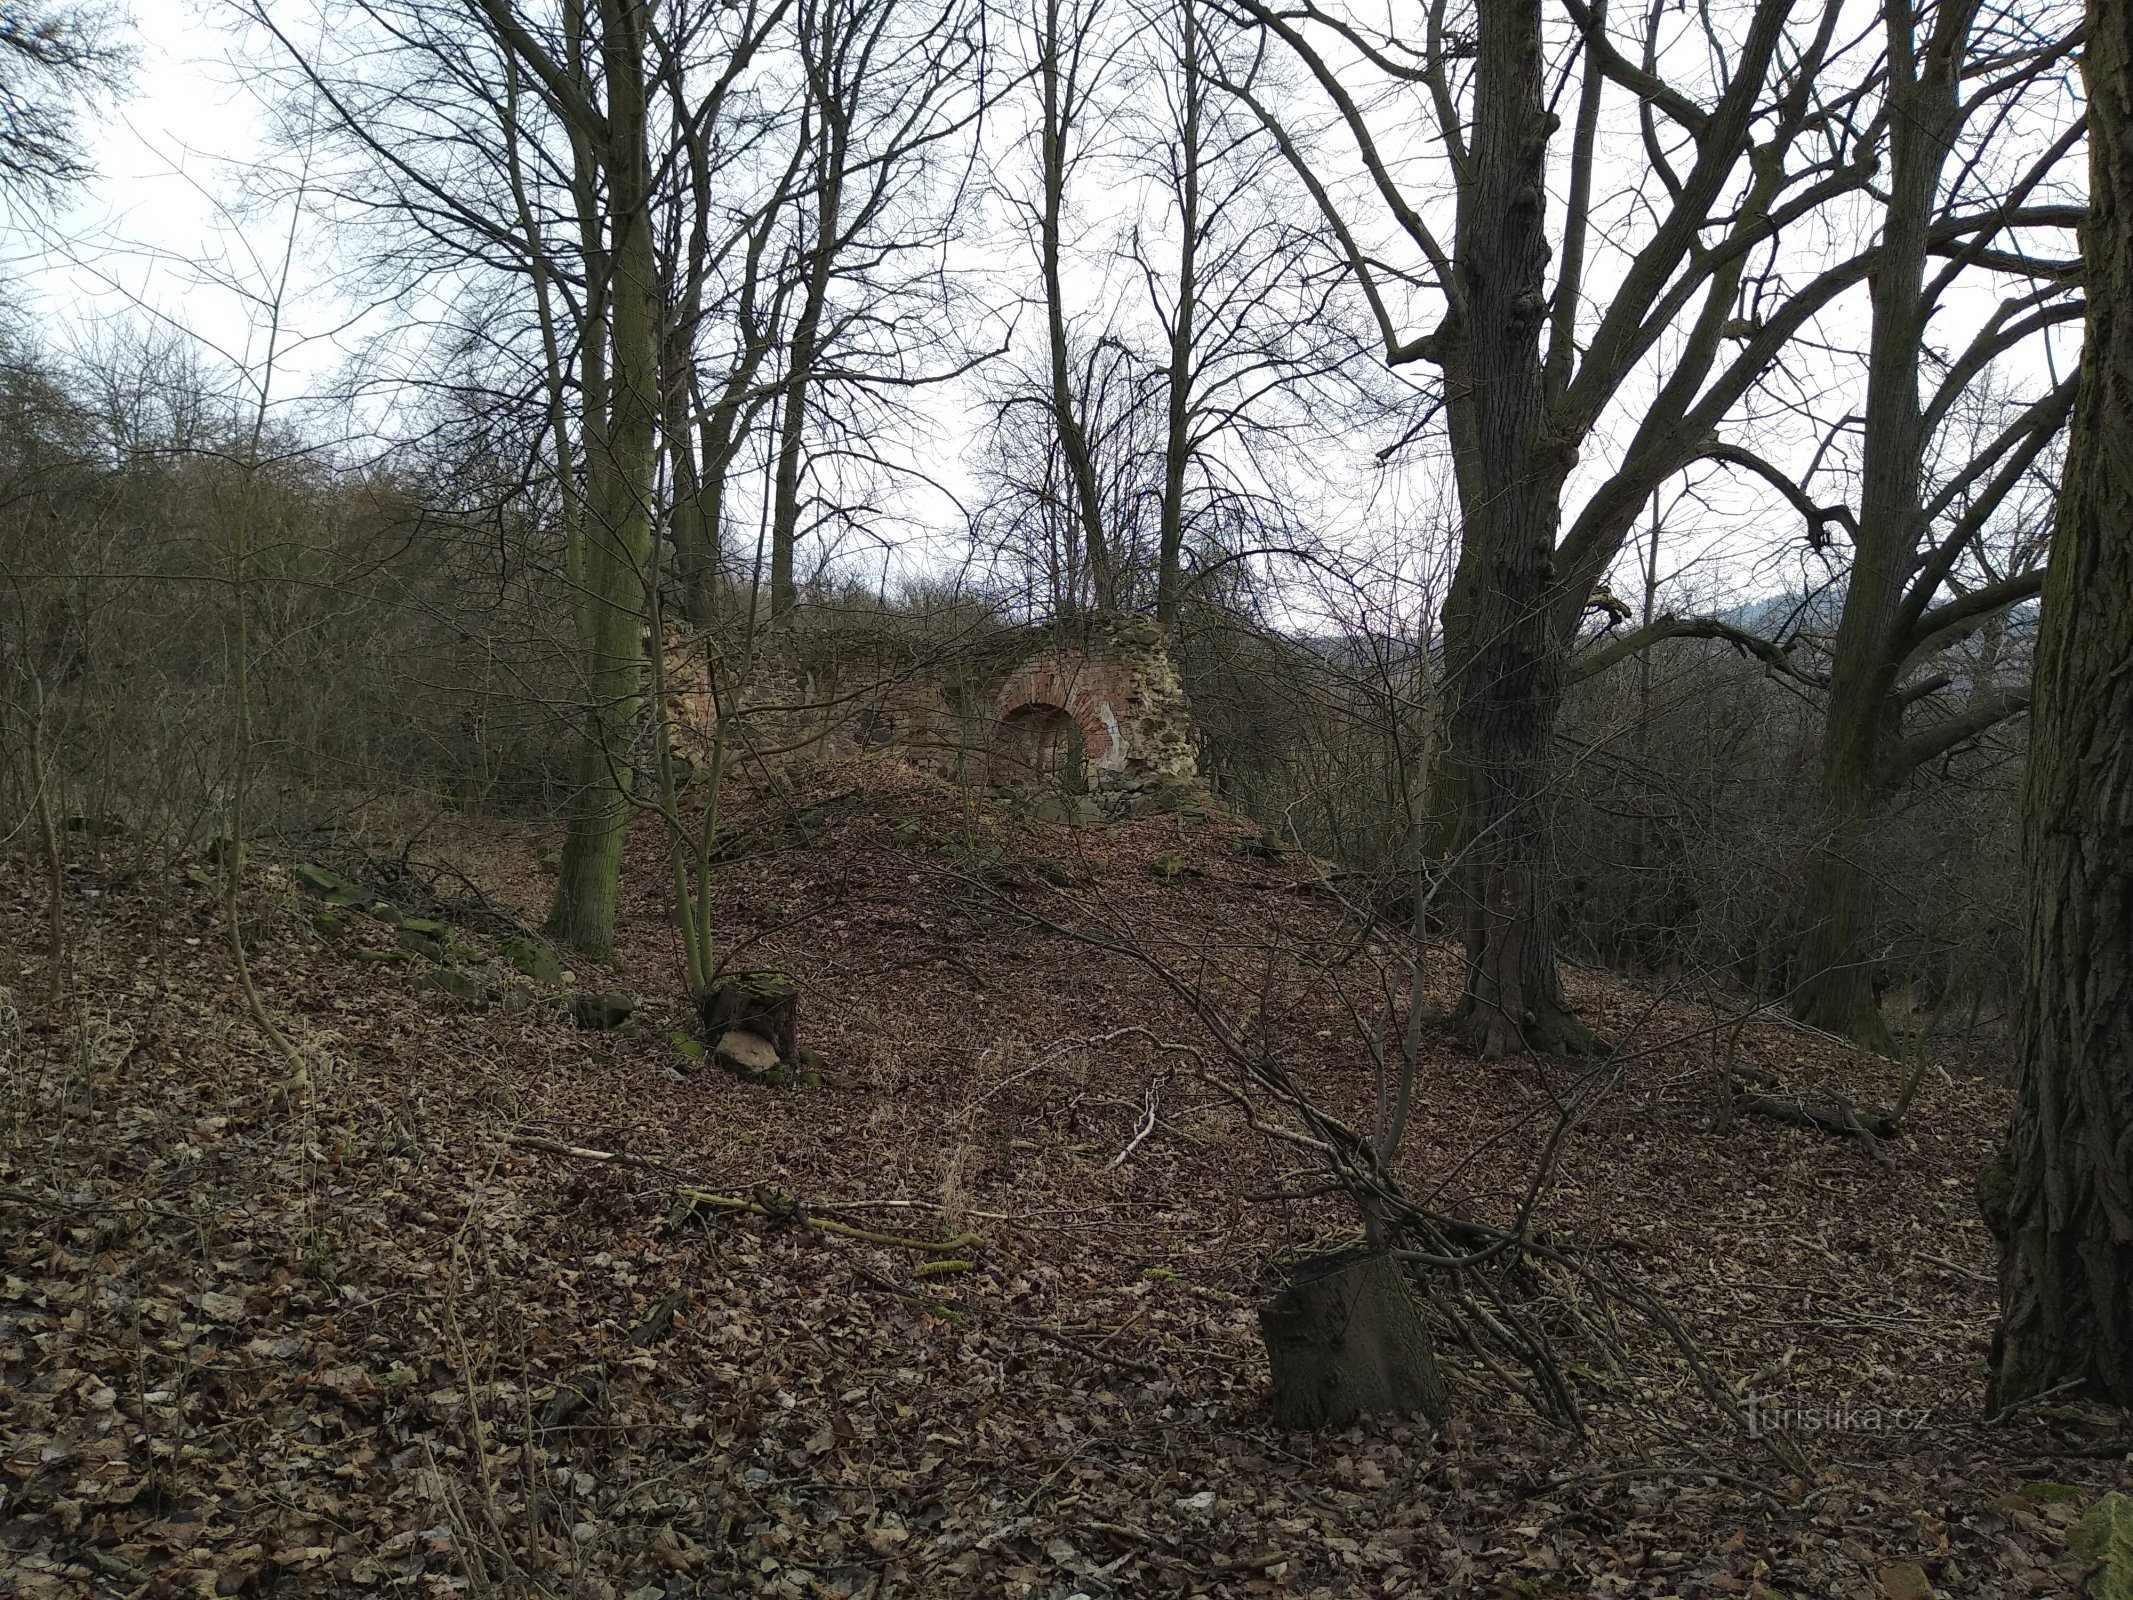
<point>2060,1197</point>
<point>762,1003</point>
<point>1061,111</point>
<point>1834,980</point>
<point>1834,987</point>
<point>807,331</point>
<point>1178,417</point>
<point>1504,662</point>
<point>1344,1339</point>
<point>618,531</point>
<point>695,533</point>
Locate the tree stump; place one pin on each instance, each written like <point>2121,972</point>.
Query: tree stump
<point>1344,1338</point>
<point>762,1003</point>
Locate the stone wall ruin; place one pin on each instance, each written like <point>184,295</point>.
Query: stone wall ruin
<point>1103,721</point>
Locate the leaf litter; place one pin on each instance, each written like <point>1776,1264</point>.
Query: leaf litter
<point>454,1326</point>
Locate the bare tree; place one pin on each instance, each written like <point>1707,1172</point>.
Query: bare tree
<point>1259,358</point>
<point>517,144</point>
<point>1936,483</point>
<point>1068,44</point>
<point>1666,307</point>
<point>1212,366</point>
<point>889,88</point>
<point>52,58</point>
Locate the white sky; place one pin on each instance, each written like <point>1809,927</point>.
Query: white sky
<point>145,240</point>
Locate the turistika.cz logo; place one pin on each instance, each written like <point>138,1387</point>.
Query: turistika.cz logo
<point>1771,1414</point>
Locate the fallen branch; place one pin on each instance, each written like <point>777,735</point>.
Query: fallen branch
<point>775,1207</point>
<point>1147,1124</point>
<point>1829,1116</point>
<point>794,1211</point>
<point>556,1147</point>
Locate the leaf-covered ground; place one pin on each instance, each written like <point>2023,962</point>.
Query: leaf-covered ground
<point>411,1333</point>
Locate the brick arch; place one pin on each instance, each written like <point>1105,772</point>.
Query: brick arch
<point>1036,743</point>
<point>1069,684</point>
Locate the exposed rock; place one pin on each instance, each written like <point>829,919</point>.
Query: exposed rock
<point>2105,1536</point>
<point>464,985</point>
<point>1070,810</point>
<point>328,885</point>
<point>425,937</point>
<point>598,1011</point>
<point>532,958</point>
<point>1172,865</point>
<point>1906,1580</point>
<point>762,1003</point>
<point>747,1053</point>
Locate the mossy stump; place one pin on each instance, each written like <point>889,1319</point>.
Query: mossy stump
<point>1344,1338</point>
<point>765,1004</point>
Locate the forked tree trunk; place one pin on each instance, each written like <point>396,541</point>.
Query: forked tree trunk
<point>1344,1339</point>
<point>1504,662</point>
<point>1834,981</point>
<point>2061,1196</point>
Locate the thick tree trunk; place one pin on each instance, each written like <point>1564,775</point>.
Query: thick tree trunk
<point>1504,661</point>
<point>1834,979</point>
<point>2061,1196</point>
<point>618,530</point>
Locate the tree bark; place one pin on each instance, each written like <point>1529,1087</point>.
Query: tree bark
<point>1504,667</point>
<point>2060,1197</point>
<point>1344,1339</point>
<point>1834,988</point>
<point>618,530</point>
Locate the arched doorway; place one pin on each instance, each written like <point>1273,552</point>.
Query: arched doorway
<point>1039,747</point>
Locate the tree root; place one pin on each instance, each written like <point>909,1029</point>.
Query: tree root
<point>1835,1115</point>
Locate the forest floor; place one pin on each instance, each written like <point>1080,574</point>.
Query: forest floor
<point>409,1333</point>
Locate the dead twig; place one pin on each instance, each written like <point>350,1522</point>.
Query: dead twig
<point>1149,1103</point>
<point>777,1208</point>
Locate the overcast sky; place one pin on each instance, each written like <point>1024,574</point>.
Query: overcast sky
<point>140,242</point>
